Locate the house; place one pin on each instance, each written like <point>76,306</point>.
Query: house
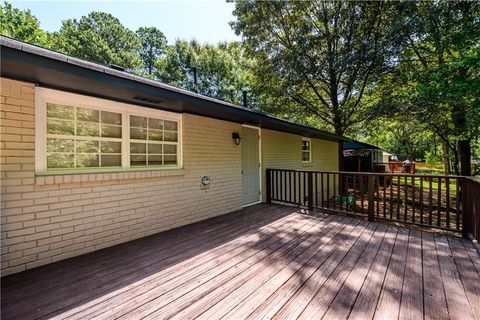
<point>93,156</point>
<point>360,157</point>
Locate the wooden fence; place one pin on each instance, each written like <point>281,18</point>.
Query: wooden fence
<point>442,202</point>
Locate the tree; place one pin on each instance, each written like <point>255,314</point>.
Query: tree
<point>321,55</point>
<point>22,25</point>
<point>221,69</point>
<point>436,79</point>
<point>101,38</point>
<point>153,46</point>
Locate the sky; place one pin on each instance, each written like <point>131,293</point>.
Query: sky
<point>204,20</point>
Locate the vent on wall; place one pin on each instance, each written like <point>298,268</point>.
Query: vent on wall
<point>145,99</point>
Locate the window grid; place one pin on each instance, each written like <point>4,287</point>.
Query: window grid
<point>306,150</point>
<point>98,154</point>
<point>70,123</point>
<point>149,143</point>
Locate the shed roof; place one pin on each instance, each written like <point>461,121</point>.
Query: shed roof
<point>47,68</point>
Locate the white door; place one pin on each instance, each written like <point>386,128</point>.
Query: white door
<point>250,165</point>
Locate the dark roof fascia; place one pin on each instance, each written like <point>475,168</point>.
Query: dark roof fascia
<point>54,70</point>
<point>357,145</point>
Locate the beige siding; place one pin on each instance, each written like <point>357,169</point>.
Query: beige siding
<point>282,150</point>
<point>45,219</point>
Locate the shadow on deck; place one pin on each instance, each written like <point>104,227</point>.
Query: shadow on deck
<point>262,261</point>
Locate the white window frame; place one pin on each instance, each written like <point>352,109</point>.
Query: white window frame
<point>309,151</point>
<point>44,96</point>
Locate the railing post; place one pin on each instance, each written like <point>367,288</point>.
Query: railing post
<point>370,197</point>
<point>269,185</point>
<point>465,209</point>
<point>310,190</point>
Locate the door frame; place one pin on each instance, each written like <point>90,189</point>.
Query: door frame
<point>260,167</point>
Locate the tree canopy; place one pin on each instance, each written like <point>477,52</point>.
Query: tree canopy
<point>99,37</point>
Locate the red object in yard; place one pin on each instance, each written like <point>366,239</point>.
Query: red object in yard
<point>400,167</point>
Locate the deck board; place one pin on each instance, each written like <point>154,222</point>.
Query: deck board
<point>262,262</point>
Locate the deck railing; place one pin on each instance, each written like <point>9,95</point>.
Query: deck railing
<point>438,201</point>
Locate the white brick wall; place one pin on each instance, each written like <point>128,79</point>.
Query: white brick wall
<point>46,219</point>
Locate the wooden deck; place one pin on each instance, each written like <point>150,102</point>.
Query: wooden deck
<point>265,261</point>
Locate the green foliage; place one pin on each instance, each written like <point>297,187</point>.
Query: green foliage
<point>101,38</point>
<point>154,45</point>
<point>221,69</point>
<point>319,57</point>
<point>21,24</point>
<point>436,81</point>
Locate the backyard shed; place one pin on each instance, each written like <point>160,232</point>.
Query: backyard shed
<point>92,156</point>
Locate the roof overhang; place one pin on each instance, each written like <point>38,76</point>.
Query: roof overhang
<point>50,69</point>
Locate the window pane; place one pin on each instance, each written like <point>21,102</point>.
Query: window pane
<point>90,115</point>
<point>155,160</point>
<point>111,147</point>
<point>170,136</point>
<point>87,160</point>
<point>88,129</point>
<point>111,117</point>
<point>138,148</point>
<point>305,156</point>
<point>154,148</point>
<point>66,127</point>
<point>59,111</point>
<point>111,160</point>
<point>60,161</point>
<point>169,149</point>
<point>60,145</point>
<point>139,122</point>
<point>137,160</point>
<point>111,131</point>
<point>169,160</point>
<point>155,135</point>
<point>84,146</point>
<point>170,125</point>
<point>140,134</point>
<point>155,123</point>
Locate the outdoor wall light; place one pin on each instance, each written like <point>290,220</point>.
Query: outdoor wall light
<point>236,138</point>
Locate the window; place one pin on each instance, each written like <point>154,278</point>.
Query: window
<point>306,150</point>
<point>81,137</point>
<point>153,142</point>
<point>77,133</point>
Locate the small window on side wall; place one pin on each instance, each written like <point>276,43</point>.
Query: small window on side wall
<point>306,150</point>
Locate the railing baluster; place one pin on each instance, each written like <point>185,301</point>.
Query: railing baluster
<point>376,185</point>
<point>406,200</point>
<point>328,190</point>
<point>310,190</point>
<point>420,200</point>
<point>457,203</point>
<point>398,197</point>
<point>447,201</point>
<point>362,189</point>
<point>384,186</point>
<point>413,199</point>
<point>322,199</point>
<point>391,196</point>
<point>430,200</point>
<point>439,201</point>
<point>354,177</point>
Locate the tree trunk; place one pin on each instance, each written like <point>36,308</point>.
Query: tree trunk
<point>446,161</point>
<point>464,153</point>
